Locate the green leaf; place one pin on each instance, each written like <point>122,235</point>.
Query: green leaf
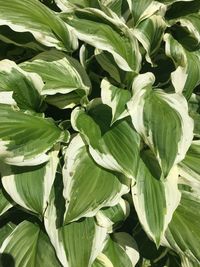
<point>183,234</point>
<point>187,74</point>
<point>120,251</point>
<point>22,39</point>
<point>115,148</point>
<point>77,243</point>
<point>4,203</point>
<point>5,231</point>
<point>80,175</point>
<point>30,187</point>
<point>162,120</point>
<point>69,5</point>
<point>34,17</point>
<point>155,200</point>
<point>25,139</point>
<point>64,101</point>
<point>116,98</point>
<point>60,73</point>
<point>112,217</point>
<point>28,245</point>
<point>142,9</point>
<point>97,29</point>
<point>108,64</point>
<point>194,105</point>
<point>189,167</point>
<point>150,34</point>
<point>20,86</point>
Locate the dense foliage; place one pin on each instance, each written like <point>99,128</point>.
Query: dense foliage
<point>100,133</point>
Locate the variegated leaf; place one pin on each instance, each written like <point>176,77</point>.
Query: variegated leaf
<point>143,9</point>
<point>25,138</point>
<point>162,120</point>
<point>112,217</point>
<point>5,204</point>
<point>189,168</point>
<point>77,243</point>
<point>150,33</point>
<point>29,246</point>
<point>116,98</point>
<point>107,34</point>
<point>33,16</point>
<point>115,148</point>
<point>155,200</point>
<point>30,187</point>
<point>187,74</point>
<point>120,251</point>
<point>19,87</point>
<point>61,73</point>
<point>182,234</point>
<point>80,175</point>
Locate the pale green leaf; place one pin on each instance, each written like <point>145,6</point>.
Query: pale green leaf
<point>61,73</point>
<point>162,120</point>
<point>116,147</point>
<point>33,16</point>
<point>116,98</point>
<point>87,186</point>
<point>187,74</point>
<point>20,86</point>
<point>30,187</point>
<point>155,200</point>
<point>29,246</point>
<point>25,139</point>
<point>120,251</point>
<point>97,29</point>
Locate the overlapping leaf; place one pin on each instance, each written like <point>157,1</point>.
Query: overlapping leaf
<point>99,30</point>
<point>112,217</point>
<point>19,86</point>
<point>5,204</point>
<point>162,120</point>
<point>32,16</point>
<point>116,98</point>
<point>25,139</point>
<point>182,234</point>
<point>61,73</point>
<point>144,9</point>
<point>80,175</point>
<point>187,74</point>
<point>150,33</point>
<point>155,200</point>
<point>189,167</point>
<point>77,243</point>
<point>28,245</point>
<point>30,187</point>
<point>115,148</point>
<point>119,251</point>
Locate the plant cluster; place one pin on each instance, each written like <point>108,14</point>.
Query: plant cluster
<point>100,133</point>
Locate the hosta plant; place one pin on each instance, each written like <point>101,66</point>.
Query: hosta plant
<point>100,133</point>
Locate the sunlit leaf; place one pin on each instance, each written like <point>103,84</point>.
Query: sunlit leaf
<point>162,120</point>
<point>25,139</point>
